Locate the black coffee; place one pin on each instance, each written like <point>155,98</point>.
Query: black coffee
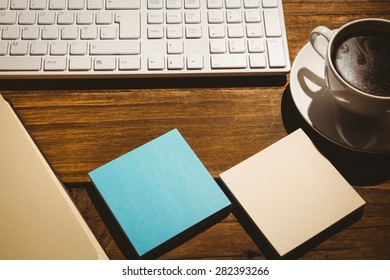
<point>364,62</point>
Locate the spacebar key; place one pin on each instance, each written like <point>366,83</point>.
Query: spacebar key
<point>20,63</point>
<point>236,61</point>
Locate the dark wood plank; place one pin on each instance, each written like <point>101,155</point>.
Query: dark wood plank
<point>74,128</point>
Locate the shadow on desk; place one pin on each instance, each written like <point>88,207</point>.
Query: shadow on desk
<point>143,83</point>
<point>358,168</point>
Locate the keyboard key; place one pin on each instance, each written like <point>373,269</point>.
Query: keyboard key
<point>123,4</point>
<point>120,47</point>
<point>254,30</point>
<point>256,45</point>
<point>234,16</point>
<point>174,17</point>
<point>257,60</point>
<point>129,63</point>
<point>108,32</point>
<point>65,17</point>
<point>55,64</point>
<point>95,4</point>
<point>193,17</point>
<point>80,64</point>
<point>85,17</point>
<point>216,16</point>
<point>236,46</point>
<point>10,32</point>
<point>46,17</point>
<point>156,63</point>
<point>104,17</point>
<point>223,61</point>
<point>195,62</point>
<point>30,33</point>
<point>70,32</point>
<point>175,62</point>
<point>270,3</point>
<point>57,4</point>
<point>175,47</point>
<point>8,17</point>
<point>129,24</point>
<point>27,17</point>
<point>191,4</point>
<point>193,31</point>
<point>218,46</point>
<point>17,63</point>
<point>272,23</point>
<point>105,63</point>
<point>155,32</point>
<point>19,4</point>
<point>252,3</point>
<point>252,16</point>
<point>39,48</point>
<point>155,17</point>
<point>3,4</point>
<point>78,48</point>
<point>89,32</point>
<point>175,32</point>
<point>233,4</point>
<point>155,4</point>
<point>276,53</point>
<point>50,33</point>
<point>19,48</point>
<point>38,4</point>
<point>73,4</point>
<point>174,4</point>
<point>215,4</point>
<point>59,48</point>
<point>217,31</point>
<point>236,31</point>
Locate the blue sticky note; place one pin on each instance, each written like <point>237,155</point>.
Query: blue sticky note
<point>158,191</point>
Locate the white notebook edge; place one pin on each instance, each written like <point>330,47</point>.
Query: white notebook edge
<point>101,255</point>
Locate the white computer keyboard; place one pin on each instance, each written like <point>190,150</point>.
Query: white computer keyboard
<point>141,38</point>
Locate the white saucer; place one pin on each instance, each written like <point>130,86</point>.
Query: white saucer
<point>314,102</point>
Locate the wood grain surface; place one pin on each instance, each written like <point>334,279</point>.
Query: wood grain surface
<point>82,124</point>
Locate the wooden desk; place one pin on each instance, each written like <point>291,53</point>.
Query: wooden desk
<point>81,125</point>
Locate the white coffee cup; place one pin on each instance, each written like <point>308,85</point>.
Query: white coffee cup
<point>324,41</point>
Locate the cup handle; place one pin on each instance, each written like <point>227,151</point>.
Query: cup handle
<point>318,45</point>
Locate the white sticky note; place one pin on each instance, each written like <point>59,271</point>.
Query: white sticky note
<point>291,192</point>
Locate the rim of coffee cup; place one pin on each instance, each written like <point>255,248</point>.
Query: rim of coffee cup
<point>337,75</point>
